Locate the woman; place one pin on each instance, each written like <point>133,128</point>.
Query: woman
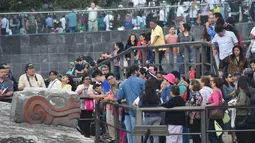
<point>149,98</point>
<point>243,99</point>
<point>195,117</point>
<point>118,47</point>
<point>235,62</point>
<point>85,90</point>
<point>175,125</point>
<point>149,57</point>
<point>66,83</point>
<point>71,69</point>
<point>229,94</point>
<point>186,36</point>
<point>215,100</point>
<point>132,41</point>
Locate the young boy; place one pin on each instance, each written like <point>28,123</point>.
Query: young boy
<point>175,125</point>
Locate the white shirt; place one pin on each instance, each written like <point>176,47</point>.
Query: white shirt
<point>63,22</point>
<point>92,14</point>
<point>253,40</point>
<point>180,11</point>
<point>4,22</point>
<point>53,84</point>
<point>162,15</point>
<point>226,43</point>
<point>205,92</point>
<point>193,11</point>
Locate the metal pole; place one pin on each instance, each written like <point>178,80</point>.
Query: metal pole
<point>116,123</point>
<point>97,123</point>
<point>157,58</point>
<point>121,67</point>
<point>203,127</point>
<point>170,58</point>
<point>132,60</point>
<point>186,61</point>
<point>138,123</point>
<point>144,51</point>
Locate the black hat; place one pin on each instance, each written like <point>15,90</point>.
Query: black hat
<point>29,66</point>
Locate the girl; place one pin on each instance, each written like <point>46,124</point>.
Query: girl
<point>66,83</point>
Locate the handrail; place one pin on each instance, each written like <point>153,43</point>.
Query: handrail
<point>153,47</point>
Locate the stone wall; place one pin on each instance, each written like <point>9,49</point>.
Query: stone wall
<point>54,51</point>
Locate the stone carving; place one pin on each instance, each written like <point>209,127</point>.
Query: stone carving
<point>43,106</point>
<point>11,132</point>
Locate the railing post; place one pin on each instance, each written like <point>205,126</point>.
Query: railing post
<point>203,58</point>
<point>121,67</point>
<point>116,123</point>
<point>97,123</point>
<point>203,127</point>
<point>138,123</point>
<point>144,51</point>
<point>186,61</point>
<point>112,66</point>
<point>170,58</point>
<point>157,58</point>
<point>132,60</point>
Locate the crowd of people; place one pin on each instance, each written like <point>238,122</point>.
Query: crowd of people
<point>192,12</point>
<point>149,86</point>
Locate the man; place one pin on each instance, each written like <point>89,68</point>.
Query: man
<point>143,73</point>
<point>225,40</point>
<point>4,24</point>
<point>63,22</point>
<point>205,90</point>
<point>99,77</point>
<point>92,19</point>
<point>71,17</point>
<point>157,38</point>
<point>79,68</point>
<point>49,23</point>
<point>252,63</point>
<point>30,79</point>
<point>104,69</point>
<point>210,25</point>
<point>131,89</point>
<point>10,76</point>
<point>14,24</point>
<point>53,76</point>
<point>6,85</point>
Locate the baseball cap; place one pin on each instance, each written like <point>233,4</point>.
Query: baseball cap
<point>170,78</point>
<point>29,66</point>
<point>71,63</point>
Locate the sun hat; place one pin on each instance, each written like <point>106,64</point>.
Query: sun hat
<point>170,78</point>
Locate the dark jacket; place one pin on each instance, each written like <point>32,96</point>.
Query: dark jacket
<point>175,117</point>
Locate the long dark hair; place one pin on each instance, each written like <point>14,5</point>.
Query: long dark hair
<point>129,41</point>
<point>225,75</point>
<point>71,82</point>
<point>243,84</point>
<point>121,47</point>
<point>241,57</point>
<point>151,97</point>
<point>205,35</point>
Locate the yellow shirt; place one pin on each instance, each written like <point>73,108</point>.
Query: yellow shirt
<point>158,32</point>
<point>26,81</point>
<point>67,87</point>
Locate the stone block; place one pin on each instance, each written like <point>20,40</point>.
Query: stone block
<point>79,48</point>
<point>16,58</point>
<point>26,50</point>
<point>53,48</point>
<point>44,58</point>
<point>88,38</point>
<point>106,36</point>
<point>43,106</point>
<point>79,37</point>
<point>71,57</point>
<point>39,40</point>
<point>63,67</point>
<point>6,58</point>
<point>26,58</point>
<point>45,67</point>
<point>62,48</point>
<point>24,40</point>
<point>54,58</point>
<point>63,57</point>
<point>70,38</point>
<point>54,66</point>
<point>17,69</point>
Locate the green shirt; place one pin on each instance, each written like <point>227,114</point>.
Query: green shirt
<point>242,100</point>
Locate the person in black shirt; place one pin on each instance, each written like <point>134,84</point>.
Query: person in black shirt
<point>175,120</point>
<point>79,69</point>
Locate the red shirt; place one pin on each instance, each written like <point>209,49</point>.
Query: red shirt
<point>139,51</point>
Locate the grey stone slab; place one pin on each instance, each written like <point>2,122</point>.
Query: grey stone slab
<point>71,48</point>
<point>63,67</point>
<point>39,39</point>
<point>16,69</point>
<point>63,57</point>
<point>71,57</point>
<point>45,67</point>
<point>88,38</point>
<point>54,66</point>
<point>79,48</point>
<point>26,58</point>
<point>24,40</point>
<point>35,49</point>
<point>44,58</point>
<point>16,58</point>
<point>53,48</point>
<point>88,48</point>
<point>35,58</point>
<point>97,37</point>
<point>70,38</point>
<point>105,36</point>
<point>6,58</point>
<point>62,48</point>
<point>79,38</point>
<point>54,58</point>
<point>43,49</point>
<point>26,50</point>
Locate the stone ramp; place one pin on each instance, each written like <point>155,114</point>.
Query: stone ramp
<point>11,132</point>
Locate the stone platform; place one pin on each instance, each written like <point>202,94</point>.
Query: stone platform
<point>11,132</point>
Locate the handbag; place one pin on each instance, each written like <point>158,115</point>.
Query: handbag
<point>241,123</point>
<point>216,114</point>
<point>89,104</point>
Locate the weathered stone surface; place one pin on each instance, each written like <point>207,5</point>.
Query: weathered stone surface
<point>11,132</point>
<point>43,106</point>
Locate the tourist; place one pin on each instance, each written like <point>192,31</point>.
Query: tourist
<point>252,64</point>
<point>30,79</point>
<point>92,18</point>
<point>3,24</point>
<point>104,69</point>
<point>118,47</point>
<point>193,12</point>
<point>10,76</point>
<point>53,76</point>
<point>87,105</point>
<point>186,36</point>
<point>71,70</point>
<point>79,68</point>
<point>49,23</point>
<point>205,90</point>
<point>215,100</point>
<point>63,22</point>
<point>67,83</point>
<point>236,62</point>
<point>157,38</point>
<point>183,85</point>
<point>243,99</point>
<point>131,89</point>
<point>132,41</point>
<point>143,73</point>
<point>224,39</point>
<point>249,73</point>
<point>160,77</point>
<point>72,21</point>
<point>175,125</point>
<point>250,54</point>
<point>196,99</point>
<point>128,22</point>
<point>166,85</point>
<point>100,78</point>
<point>140,53</point>
<point>6,85</point>
<point>171,38</point>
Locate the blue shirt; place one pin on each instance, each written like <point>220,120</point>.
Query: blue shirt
<point>71,17</point>
<point>106,86</point>
<point>131,89</point>
<point>49,22</point>
<point>211,31</point>
<point>128,24</point>
<point>165,95</point>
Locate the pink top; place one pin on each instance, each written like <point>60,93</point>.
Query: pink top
<point>216,97</point>
<point>171,39</point>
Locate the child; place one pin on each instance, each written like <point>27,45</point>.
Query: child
<point>175,125</point>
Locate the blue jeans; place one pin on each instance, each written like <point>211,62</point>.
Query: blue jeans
<point>72,29</point>
<point>117,72</point>
<point>130,125</point>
